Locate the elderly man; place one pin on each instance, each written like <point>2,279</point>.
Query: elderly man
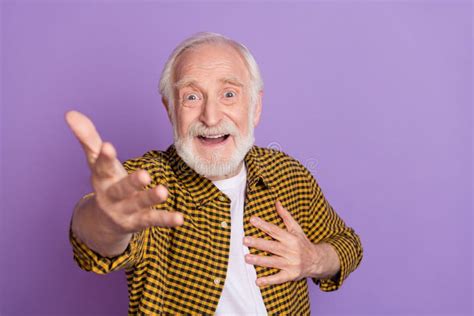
<point>214,224</point>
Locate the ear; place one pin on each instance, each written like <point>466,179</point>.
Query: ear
<point>166,105</point>
<point>258,108</point>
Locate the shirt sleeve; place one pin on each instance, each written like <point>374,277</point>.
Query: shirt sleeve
<point>326,226</point>
<point>89,260</point>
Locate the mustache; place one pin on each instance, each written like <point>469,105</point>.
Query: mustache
<point>224,127</point>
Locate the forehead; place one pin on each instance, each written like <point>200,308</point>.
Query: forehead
<point>211,61</point>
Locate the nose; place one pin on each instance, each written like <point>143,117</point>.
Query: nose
<point>211,113</point>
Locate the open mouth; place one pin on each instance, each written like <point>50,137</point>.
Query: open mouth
<point>213,139</point>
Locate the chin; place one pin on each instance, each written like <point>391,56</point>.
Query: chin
<point>214,159</point>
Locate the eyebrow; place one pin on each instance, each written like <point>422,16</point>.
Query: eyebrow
<point>185,82</point>
<point>233,81</point>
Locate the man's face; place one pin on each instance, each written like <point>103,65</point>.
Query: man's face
<point>214,118</point>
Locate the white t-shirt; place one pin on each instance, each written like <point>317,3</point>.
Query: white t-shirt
<point>241,296</point>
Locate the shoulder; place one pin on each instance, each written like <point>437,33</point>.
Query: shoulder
<point>153,160</point>
<point>277,164</point>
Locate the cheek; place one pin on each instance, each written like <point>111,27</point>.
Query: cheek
<point>184,120</point>
<point>241,119</point>
<point>183,127</point>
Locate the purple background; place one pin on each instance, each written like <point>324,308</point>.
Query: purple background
<point>373,97</point>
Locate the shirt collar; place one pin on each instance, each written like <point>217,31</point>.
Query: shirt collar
<point>202,189</point>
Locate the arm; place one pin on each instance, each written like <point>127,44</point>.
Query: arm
<point>327,227</point>
<point>325,249</point>
<point>87,226</point>
<point>110,220</point>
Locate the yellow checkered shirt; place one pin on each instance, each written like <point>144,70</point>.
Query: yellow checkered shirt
<point>182,270</point>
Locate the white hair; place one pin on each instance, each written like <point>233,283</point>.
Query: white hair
<point>167,76</point>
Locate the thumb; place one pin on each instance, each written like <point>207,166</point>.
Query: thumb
<point>86,133</point>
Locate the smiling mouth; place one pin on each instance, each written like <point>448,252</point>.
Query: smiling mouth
<point>213,139</point>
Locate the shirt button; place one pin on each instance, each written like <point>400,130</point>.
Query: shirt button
<point>221,198</point>
<point>217,281</point>
<point>224,224</point>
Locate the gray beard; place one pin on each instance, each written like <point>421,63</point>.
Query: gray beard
<point>215,166</point>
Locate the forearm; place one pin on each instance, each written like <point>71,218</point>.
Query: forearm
<point>90,227</point>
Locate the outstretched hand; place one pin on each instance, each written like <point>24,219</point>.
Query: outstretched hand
<point>122,203</point>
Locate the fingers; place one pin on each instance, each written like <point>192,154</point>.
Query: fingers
<point>270,246</point>
<point>290,223</point>
<point>264,261</point>
<point>278,278</point>
<point>128,185</point>
<point>86,133</point>
<point>136,213</point>
<point>274,231</point>
<point>145,199</point>
<point>107,165</point>
<point>153,217</point>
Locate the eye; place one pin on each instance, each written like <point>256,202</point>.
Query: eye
<point>229,94</point>
<point>191,97</point>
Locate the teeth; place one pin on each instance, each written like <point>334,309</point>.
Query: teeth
<point>215,136</point>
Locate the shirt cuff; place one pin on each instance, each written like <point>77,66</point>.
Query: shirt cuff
<point>346,257</point>
<point>89,260</point>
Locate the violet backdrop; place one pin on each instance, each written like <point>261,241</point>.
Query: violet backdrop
<point>374,97</point>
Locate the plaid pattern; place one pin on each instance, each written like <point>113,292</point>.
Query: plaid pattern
<point>182,270</point>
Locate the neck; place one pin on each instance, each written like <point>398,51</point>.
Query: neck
<point>229,175</point>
